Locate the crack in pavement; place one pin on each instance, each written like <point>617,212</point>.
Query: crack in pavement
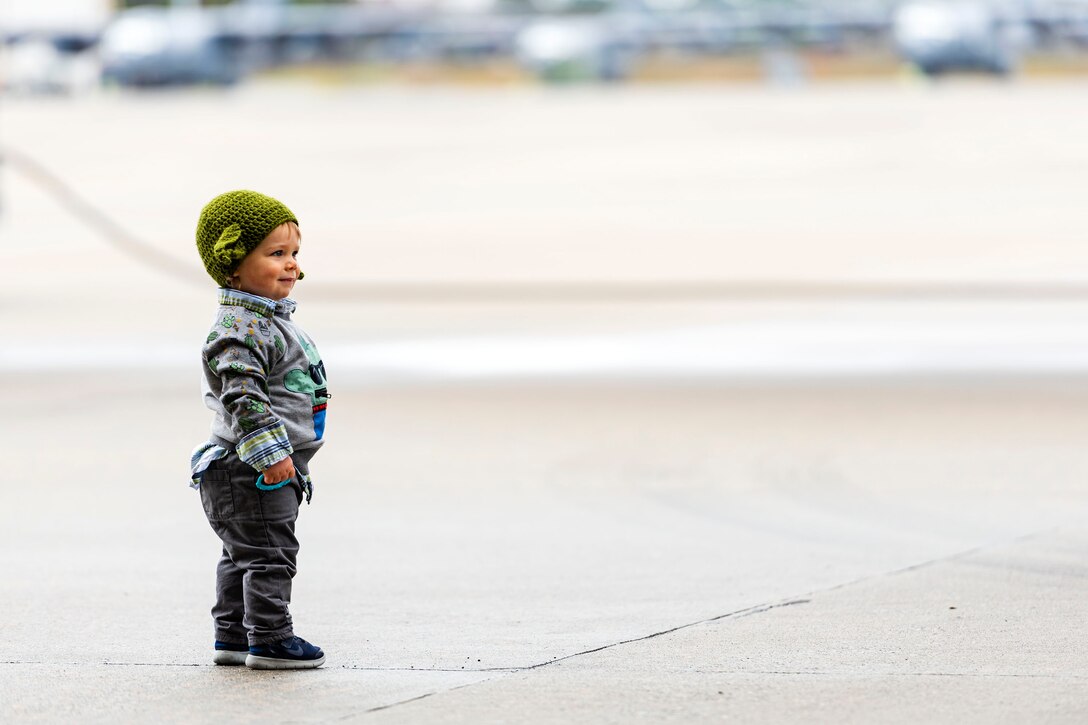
<point>741,612</point>
<point>428,669</point>
<point>760,609</point>
<point>417,698</point>
<point>737,614</point>
<point>747,611</point>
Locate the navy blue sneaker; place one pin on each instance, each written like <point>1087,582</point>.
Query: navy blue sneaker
<point>228,653</point>
<point>293,653</point>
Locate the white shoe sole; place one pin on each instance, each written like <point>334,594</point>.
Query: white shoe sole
<point>226,657</point>
<point>270,663</point>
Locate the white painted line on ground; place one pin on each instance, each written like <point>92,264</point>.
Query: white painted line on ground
<point>739,350</point>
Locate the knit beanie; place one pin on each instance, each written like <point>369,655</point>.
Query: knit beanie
<point>232,225</point>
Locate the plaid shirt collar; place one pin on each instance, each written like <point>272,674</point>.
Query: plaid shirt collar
<point>260,305</point>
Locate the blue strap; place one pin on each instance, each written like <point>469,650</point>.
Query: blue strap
<point>265,487</point>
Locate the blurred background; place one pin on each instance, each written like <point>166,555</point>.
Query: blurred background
<point>575,209</point>
<point>647,188</point>
<point>641,191</point>
<point>68,46</point>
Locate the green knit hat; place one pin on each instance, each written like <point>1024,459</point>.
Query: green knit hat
<point>232,225</point>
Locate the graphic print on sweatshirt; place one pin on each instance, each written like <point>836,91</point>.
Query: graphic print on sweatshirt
<point>312,382</point>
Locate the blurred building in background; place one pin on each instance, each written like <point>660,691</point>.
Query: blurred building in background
<point>68,45</point>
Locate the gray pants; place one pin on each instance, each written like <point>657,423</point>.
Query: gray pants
<point>257,528</point>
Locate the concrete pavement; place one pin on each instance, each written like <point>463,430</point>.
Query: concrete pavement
<point>519,554</point>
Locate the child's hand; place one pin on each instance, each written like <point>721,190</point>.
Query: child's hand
<point>281,471</point>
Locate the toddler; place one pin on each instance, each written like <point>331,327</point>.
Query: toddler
<point>265,384</point>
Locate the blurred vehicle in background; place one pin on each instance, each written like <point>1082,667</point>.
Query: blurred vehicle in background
<point>62,63</point>
<point>49,47</point>
<point>606,39</point>
<point>939,36</point>
<point>191,44</point>
<point>161,46</point>
<point>593,46</point>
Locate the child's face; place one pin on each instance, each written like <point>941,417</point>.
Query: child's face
<point>271,269</point>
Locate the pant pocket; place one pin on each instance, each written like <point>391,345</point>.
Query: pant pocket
<point>216,495</point>
<point>279,505</point>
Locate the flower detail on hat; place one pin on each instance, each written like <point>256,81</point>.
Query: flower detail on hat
<point>229,248</point>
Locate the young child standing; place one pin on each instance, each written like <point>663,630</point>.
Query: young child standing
<point>265,384</point>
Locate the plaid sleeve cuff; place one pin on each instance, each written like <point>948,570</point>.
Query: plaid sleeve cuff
<point>265,446</point>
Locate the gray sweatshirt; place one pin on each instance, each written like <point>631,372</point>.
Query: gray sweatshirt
<point>263,379</point>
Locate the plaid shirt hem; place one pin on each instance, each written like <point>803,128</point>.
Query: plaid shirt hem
<point>203,456</point>
<point>265,447</point>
